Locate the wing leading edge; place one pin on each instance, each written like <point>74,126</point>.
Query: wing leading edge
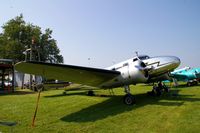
<point>76,74</point>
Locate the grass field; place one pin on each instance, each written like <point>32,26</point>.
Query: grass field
<point>177,111</point>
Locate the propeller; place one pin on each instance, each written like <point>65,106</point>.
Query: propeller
<point>143,68</point>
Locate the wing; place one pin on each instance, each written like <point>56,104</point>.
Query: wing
<point>76,74</point>
<point>180,77</point>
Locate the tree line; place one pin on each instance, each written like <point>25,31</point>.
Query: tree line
<point>18,36</point>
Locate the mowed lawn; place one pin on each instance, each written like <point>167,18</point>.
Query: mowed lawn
<point>176,111</point>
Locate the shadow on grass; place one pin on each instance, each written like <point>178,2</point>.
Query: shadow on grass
<point>18,93</point>
<point>67,94</point>
<point>78,91</point>
<point>114,106</point>
<point>186,86</point>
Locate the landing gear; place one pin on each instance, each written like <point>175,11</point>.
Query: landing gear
<point>191,83</point>
<point>195,82</point>
<point>158,90</point>
<point>128,98</point>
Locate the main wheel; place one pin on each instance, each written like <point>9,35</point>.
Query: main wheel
<point>195,82</point>
<point>189,84</point>
<point>129,99</point>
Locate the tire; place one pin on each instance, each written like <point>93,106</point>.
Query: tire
<point>158,92</point>
<point>195,82</point>
<point>189,84</point>
<point>129,99</point>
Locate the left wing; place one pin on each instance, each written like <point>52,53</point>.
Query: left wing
<point>180,77</point>
<point>76,74</point>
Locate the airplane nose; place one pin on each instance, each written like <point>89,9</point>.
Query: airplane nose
<point>166,64</point>
<point>176,61</point>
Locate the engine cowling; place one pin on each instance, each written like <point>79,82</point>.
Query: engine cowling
<point>138,72</point>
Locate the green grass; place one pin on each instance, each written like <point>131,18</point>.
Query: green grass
<point>76,112</point>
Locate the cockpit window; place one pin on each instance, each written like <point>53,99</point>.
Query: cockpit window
<point>143,57</point>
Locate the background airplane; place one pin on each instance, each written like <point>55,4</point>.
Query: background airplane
<point>140,69</point>
<point>187,74</point>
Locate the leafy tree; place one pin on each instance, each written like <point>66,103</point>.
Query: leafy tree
<point>18,36</point>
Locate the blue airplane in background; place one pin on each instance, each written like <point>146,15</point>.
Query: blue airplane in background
<point>187,74</point>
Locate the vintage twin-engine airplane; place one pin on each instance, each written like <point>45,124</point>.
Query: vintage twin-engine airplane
<point>187,74</point>
<point>140,69</point>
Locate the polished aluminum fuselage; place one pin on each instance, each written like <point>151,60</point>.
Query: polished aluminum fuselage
<point>132,73</point>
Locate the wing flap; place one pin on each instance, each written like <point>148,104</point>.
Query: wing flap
<point>76,74</point>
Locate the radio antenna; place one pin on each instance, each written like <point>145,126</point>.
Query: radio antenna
<point>136,52</point>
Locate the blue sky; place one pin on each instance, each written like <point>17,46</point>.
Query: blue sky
<point>108,31</point>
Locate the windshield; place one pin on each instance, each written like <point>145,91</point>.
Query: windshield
<point>143,57</point>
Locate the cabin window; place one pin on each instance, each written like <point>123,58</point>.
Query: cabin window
<point>125,64</point>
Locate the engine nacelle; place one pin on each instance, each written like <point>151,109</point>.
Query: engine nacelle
<point>131,73</point>
<point>138,72</point>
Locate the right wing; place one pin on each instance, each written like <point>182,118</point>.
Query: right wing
<point>76,74</point>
